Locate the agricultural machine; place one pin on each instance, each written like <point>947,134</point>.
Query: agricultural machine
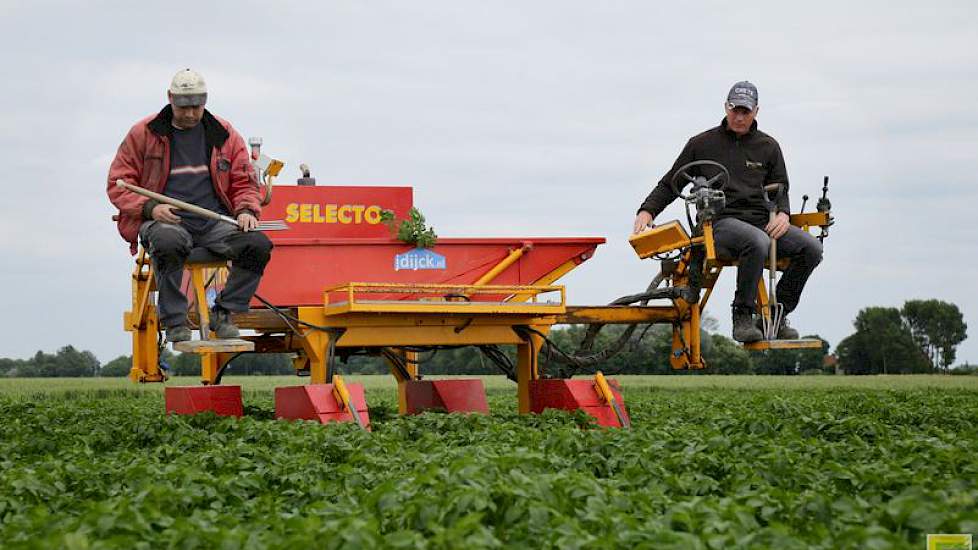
<point>339,284</point>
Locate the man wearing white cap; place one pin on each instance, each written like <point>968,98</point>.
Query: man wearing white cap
<point>743,229</point>
<point>187,153</point>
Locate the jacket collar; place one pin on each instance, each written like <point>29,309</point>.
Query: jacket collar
<point>728,131</point>
<point>214,132</point>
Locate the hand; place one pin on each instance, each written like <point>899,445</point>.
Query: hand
<point>247,222</point>
<point>778,227</point>
<point>642,221</point>
<point>166,213</point>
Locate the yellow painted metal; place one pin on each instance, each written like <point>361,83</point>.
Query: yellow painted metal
<point>274,167</point>
<point>617,315</point>
<point>762,301</point>
<point>679,358</point>
<point>695,360</point>
<point>604,390</point>
<point>548,279</point>
<point>464,308</point>
<point>354,303</point>
<point>143,284</point>
<point>410,360</point>
<point>513,256</point>
<point>200,295</point>
<point>343,396</point>
<point>661,238</point>
<point>709,281</point>
<point>386,336</point>
<point>315,343</point>
<point>211,363</point>
<point>424,327</point>
<point>145,350</point>
<point>142,321</point>
<point>527,369</point>
<point>209,367</point>
<point>708,243</point>
<point>810,219</point>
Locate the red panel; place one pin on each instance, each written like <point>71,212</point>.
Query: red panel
<point>319,250</point>
<point>222,400</point>
<point>317,402</point>
<point>447,395</point>
<point>301,268</point>
<point>422,396</point>
<point>570,395</point>
<point>335,212</point>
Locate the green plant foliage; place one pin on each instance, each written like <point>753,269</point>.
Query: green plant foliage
<point>413,230</point>
<point>705,468</point>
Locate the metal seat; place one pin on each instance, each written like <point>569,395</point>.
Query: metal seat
<point>201,255</point>
<point>783,263</point>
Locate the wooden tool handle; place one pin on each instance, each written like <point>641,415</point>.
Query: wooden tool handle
<point>176,202</point>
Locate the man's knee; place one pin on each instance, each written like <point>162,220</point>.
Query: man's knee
<point>811,251</point>
<point>756,244</point>
<point>250,250</point>
<point>739,240</point>
<point>168,246</point>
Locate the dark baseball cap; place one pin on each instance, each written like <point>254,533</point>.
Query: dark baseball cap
<point>742,94</point>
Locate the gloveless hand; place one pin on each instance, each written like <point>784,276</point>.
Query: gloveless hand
<point>777,227</point>
<point>642,221</point>
<point>247,222</point>
<point>166,213</point>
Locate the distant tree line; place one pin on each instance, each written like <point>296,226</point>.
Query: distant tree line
<point>66,362</point>
<point>920,337</point>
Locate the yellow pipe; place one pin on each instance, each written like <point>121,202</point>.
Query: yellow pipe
<point>694,336</point>
<point>546,280</point>
<point>514,255</point>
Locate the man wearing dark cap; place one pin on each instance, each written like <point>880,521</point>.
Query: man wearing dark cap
<point>187,153</point>
<point>743,230</point>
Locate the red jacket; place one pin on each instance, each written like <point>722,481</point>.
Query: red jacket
<point>143,159</point>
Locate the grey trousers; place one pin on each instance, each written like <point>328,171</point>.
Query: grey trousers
<point>169,245</point>
<point>750,246</point>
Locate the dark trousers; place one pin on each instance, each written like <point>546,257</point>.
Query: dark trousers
<point>169,245</point>
<point>751,247</point>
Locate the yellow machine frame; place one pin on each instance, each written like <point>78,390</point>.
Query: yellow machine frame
<point>438,317</point>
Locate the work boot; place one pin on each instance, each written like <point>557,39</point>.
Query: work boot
<point>743,326</point>
<point>784,331</point>
<point>179,333</point>
<point>221,324</point>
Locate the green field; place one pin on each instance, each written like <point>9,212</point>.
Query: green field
<point>712,462</point>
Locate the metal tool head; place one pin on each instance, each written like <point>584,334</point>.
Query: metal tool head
<point>274,225</point>
<point>771,321</point>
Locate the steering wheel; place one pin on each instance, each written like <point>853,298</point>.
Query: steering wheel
<point>718,181</point>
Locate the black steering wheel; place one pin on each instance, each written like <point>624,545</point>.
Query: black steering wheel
<point>718,181</point>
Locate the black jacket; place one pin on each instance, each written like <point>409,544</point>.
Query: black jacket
<point>754,160</point>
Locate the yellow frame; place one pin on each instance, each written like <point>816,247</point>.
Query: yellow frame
<point>443,315</point>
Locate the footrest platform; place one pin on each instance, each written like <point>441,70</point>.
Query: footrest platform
<point>804,343</point>
<point>214,346</point>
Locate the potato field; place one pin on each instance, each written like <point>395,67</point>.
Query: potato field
<point>711,462</point>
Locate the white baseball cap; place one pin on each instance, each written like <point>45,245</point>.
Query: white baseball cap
<point>188,88</point>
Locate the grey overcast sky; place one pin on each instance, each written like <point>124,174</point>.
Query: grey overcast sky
<point>550,118</point>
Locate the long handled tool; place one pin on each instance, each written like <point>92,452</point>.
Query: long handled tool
<point>772,318</point>
<point>604,390</point>
<point>343,396</point>
<point>273,225</point>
